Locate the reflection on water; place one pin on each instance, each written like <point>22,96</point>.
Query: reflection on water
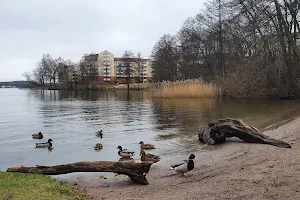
<point>71,119</point>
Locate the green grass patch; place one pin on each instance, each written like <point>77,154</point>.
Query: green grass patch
<point>19,186</point>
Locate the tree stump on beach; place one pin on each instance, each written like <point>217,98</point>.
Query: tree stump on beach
<point>136,171</point>
<point>219,130</point>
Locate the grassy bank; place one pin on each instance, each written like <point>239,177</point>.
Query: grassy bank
<point>18,186</point>
<point>135,86</point>
<point>185,89</point>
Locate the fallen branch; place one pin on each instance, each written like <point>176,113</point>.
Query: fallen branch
<point>219,130</point>
<point>136,171</point>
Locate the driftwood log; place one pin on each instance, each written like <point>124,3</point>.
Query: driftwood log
<point>136,171</point>
<point>219,130</point>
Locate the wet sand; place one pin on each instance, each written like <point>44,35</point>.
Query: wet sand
<point>235,170</point>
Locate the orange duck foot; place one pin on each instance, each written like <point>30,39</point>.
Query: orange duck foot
<point>184,175</point>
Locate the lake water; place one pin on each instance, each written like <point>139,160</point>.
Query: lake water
<point>71,119</point>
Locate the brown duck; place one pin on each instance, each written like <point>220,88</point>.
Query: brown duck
<point>146,146</point>
<point>149,157</point>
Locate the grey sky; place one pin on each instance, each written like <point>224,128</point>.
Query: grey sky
<point>71,28</point>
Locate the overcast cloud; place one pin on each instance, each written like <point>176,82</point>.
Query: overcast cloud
<point>71,28</point>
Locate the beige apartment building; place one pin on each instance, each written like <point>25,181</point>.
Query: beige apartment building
<point>112,69</point>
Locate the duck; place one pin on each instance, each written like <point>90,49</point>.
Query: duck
<point>44,144</point>
<point>37,136</point>
<point>98,146</point>
<point>99,134</point>
<point>125,153</point>
<point>185,166</point>
<point>149,157</point>
<point>146,146</point>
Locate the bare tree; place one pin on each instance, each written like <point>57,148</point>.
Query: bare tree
<point>128,59</point>
<point>165,59</point>
<point>51,68</point>
<point>230,39</point>
<point>140,67</point>
<point>88,72</point>
<point>27,76</point>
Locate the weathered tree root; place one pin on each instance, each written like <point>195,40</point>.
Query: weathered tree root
<point>219,130</point>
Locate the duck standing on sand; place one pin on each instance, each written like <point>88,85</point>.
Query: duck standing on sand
<point>146,146</point>
<point>44,144</point>
<point>186,166</point>
<point>37,136</point>
<point>99,134</point>
<point>149,157</point>
<point>125,153</point>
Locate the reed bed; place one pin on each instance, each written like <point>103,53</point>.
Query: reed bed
<point>196,88</point>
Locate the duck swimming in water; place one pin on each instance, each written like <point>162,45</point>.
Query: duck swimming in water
<point>146,146</point>
<point>99,134</point>
<point>185,166</point>
<point>44,144</point>
<point>98,146</point>
<point>37,136</point>
<point>125,153</point>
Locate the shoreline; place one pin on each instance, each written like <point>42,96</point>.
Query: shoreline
<point>235,170</point>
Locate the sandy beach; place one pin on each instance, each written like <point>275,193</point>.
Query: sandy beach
<point>235,170</point>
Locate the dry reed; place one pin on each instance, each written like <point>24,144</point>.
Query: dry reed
<point>196,88</point>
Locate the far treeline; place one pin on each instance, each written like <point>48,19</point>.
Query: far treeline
<point>250,48</point>
<point>59,73</point>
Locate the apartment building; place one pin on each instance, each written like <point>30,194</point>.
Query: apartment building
<point>140,70</point>
<point>113,70</point>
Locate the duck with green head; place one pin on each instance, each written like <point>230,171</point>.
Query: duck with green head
<point>44,144</point>
<point>185,166</point>
<point>125,153</point>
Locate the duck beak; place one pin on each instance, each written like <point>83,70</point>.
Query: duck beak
<point>194,160</point>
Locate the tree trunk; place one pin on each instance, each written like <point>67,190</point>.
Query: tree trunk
<point>219,130</point>
<point>136,171</point>
<point>288,34</point>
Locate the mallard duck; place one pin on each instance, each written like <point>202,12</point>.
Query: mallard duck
<point>186,166</point>
<point>98,146</point>
<point>99,134</point>
<point>45,144</point>
<point>37,136</point>
<point>146,146</point>
<point>125,153</point>
<point>149,157</point>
